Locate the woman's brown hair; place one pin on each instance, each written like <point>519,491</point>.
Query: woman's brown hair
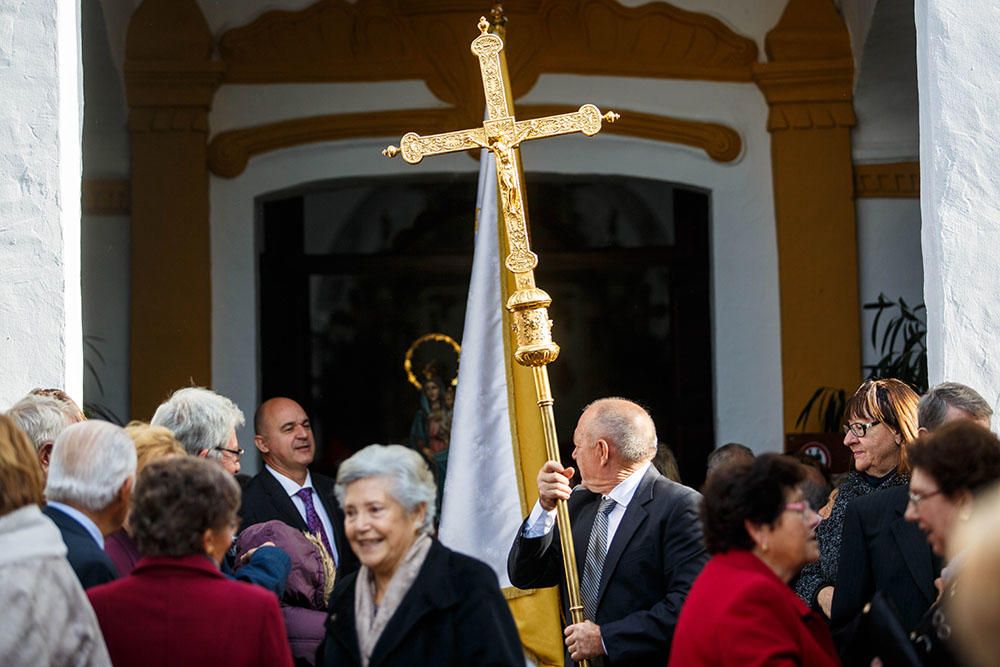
<point>22,481</point>
<point>891,402</point>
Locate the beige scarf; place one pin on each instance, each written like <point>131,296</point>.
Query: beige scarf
<point>370,620</point>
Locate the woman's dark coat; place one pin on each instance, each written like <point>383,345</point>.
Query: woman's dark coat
<point>453,614</point>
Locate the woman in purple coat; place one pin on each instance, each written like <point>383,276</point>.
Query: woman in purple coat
<point>309,585</point>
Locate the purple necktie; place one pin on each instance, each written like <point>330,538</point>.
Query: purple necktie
<point>313,523</point>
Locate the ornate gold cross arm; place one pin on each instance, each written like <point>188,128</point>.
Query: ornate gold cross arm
<point>586,120</point>
<point>414,147</point>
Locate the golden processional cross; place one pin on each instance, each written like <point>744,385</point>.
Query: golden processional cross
<point>501,134</point>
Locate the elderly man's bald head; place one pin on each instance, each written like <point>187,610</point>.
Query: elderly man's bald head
<point>624,424</point>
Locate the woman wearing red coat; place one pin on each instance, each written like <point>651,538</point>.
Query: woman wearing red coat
<point>740,610</point>
<point>176,607</point>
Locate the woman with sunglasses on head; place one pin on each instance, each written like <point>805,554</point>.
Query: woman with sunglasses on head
<point>759,528</point>
<point>881,424</point>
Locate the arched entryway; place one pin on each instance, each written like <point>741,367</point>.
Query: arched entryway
<point>352,271</point>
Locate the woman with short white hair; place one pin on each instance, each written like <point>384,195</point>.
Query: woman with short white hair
<point>414,601</point>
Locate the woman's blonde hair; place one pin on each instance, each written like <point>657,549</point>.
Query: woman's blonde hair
<point>890,402</point>
<point>152,443</point>
<point>22,481</point>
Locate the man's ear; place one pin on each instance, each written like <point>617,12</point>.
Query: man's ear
<point>124,494</point>
<point>44,455</point>
<point>603,450</point>
<point>922,431</point>
<point>261,444</point>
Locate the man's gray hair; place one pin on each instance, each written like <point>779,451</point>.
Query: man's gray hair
<point>934,404</point>
<point>626,425</point>
<point>90,462</point>
<point>411,482</point>
<point>730,452</point>
<point>200,419</point>
<point>42,418</point>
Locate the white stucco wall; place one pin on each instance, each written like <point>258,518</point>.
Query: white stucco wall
<point>40,111</point>
<point>957,62</point>
<point>745,314</point>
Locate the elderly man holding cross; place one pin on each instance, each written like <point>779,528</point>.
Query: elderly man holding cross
<point>637,538</point>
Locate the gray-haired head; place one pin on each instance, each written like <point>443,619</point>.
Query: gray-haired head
<point>200,419</point>
<point>729,453</point>
<point>625,425</point>
<point>932,411</point>
<point>90,462</point>
<point>411,482</point>
<point>42,418</point>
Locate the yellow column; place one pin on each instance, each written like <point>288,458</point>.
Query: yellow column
<point>170,80</point>
<point>807,82</point>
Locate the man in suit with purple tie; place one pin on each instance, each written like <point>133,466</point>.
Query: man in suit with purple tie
<point>285,490</point>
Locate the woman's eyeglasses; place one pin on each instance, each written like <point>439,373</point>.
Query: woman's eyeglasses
<point>859,429</point>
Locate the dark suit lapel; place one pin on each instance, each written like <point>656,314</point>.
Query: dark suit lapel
<point>430,590</point>
<point>282,504</point>
<point>913,545</point>
<point>635,516</point>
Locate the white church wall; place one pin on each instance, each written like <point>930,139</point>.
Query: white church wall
<point>40,111</point>
<point>957,56</point>
<point>745,313</point>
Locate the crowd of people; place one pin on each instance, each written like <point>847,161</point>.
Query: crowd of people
<point>145,545</point>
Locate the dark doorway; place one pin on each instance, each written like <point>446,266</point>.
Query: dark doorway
<point>352,272</point>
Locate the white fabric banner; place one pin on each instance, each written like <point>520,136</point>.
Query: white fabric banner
<point>481,510</point>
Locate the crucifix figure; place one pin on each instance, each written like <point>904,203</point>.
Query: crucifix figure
<point>501,134</point>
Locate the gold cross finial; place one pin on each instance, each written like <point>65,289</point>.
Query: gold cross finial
<point>501,134</point>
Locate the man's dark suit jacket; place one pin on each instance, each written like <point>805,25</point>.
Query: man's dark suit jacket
<point>655,556</point>
<point>882,551</point>
<point>88,560</point>
<point>264,499</point>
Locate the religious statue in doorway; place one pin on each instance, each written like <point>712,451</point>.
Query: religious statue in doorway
<point>430,431</point>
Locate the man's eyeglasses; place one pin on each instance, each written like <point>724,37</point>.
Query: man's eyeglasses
<point>917,498</point>
<point>859,429</point>
<point>238,453</point>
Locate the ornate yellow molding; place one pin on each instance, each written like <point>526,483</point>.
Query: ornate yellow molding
<point>894,180</point>
<point>380,40</point>
<point>807,94</point>
<point>105,196</point>
<point>229,152</point>
<point>337,40</point>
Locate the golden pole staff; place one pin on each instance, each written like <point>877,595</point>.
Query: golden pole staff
<point>528,305</point>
